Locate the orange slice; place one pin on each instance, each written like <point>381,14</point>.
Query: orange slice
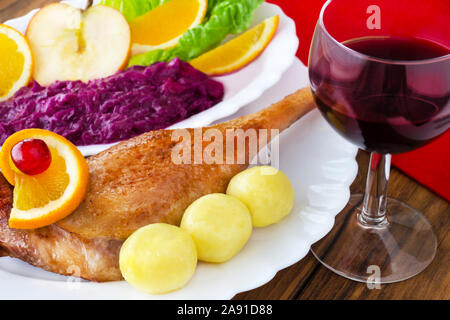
<point>16,62</point>
<point>238,52</point>
<point>161,27</point>
<point>43,199</point>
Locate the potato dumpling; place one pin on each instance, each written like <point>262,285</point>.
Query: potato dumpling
<point>220,226</point>
<point>266,191</point>
<point>158,258</point>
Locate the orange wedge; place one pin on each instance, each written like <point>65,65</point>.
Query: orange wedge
<point>161,27</point>
<point>16,62</point>
<point>43,199</point>
<point>238,52</point>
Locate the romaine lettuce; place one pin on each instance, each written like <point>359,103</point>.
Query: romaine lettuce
<point>223,17</point>
<point>133,8</point>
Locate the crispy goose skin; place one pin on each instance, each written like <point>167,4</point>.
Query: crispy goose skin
<point>57,250</point>
<point>132,184</point>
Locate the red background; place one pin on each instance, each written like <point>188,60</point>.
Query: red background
<point>429,165</point>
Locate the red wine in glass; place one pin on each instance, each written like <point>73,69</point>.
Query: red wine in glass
<point>383,108</point>
<point>380,74</point>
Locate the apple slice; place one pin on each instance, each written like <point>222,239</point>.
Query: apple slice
<point>74,44</point>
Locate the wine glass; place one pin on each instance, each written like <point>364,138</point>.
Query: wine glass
<point>380,74</point>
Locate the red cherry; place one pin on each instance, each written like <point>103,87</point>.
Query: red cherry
<point>31,156</point>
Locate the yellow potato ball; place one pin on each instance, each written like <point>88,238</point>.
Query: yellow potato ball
<point>220,226</point>
<point>158,258</point>
<point>266,191</point>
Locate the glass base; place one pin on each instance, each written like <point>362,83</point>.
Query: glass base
<point>393,252</point>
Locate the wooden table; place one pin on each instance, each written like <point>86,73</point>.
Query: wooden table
<point>308,279</point>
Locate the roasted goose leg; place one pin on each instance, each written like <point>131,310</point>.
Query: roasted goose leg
<point>133,184</point>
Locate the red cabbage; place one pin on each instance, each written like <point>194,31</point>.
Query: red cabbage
<point>119,107</point>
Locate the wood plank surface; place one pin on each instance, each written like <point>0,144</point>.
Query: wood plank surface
<point>308,279</point>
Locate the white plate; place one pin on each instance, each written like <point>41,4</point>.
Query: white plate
<point>321,166</point>
<point>241,87</point>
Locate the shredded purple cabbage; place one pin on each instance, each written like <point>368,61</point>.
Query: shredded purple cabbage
<point>131,102</point>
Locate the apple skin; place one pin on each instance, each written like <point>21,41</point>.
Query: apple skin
<point>74,44</point>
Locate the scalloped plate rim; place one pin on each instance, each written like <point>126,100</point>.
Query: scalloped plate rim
<point>309,214</point>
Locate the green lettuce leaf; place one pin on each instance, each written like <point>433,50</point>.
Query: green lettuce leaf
<point>132,9</point>
<point>223,17</point>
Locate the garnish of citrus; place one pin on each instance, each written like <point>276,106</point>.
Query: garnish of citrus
<point>16,62</point>
<point>46,197</point>
<point>161,27</point>
<point>239,52</point>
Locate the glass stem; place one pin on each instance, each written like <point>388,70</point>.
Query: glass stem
<point>373,213</point>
